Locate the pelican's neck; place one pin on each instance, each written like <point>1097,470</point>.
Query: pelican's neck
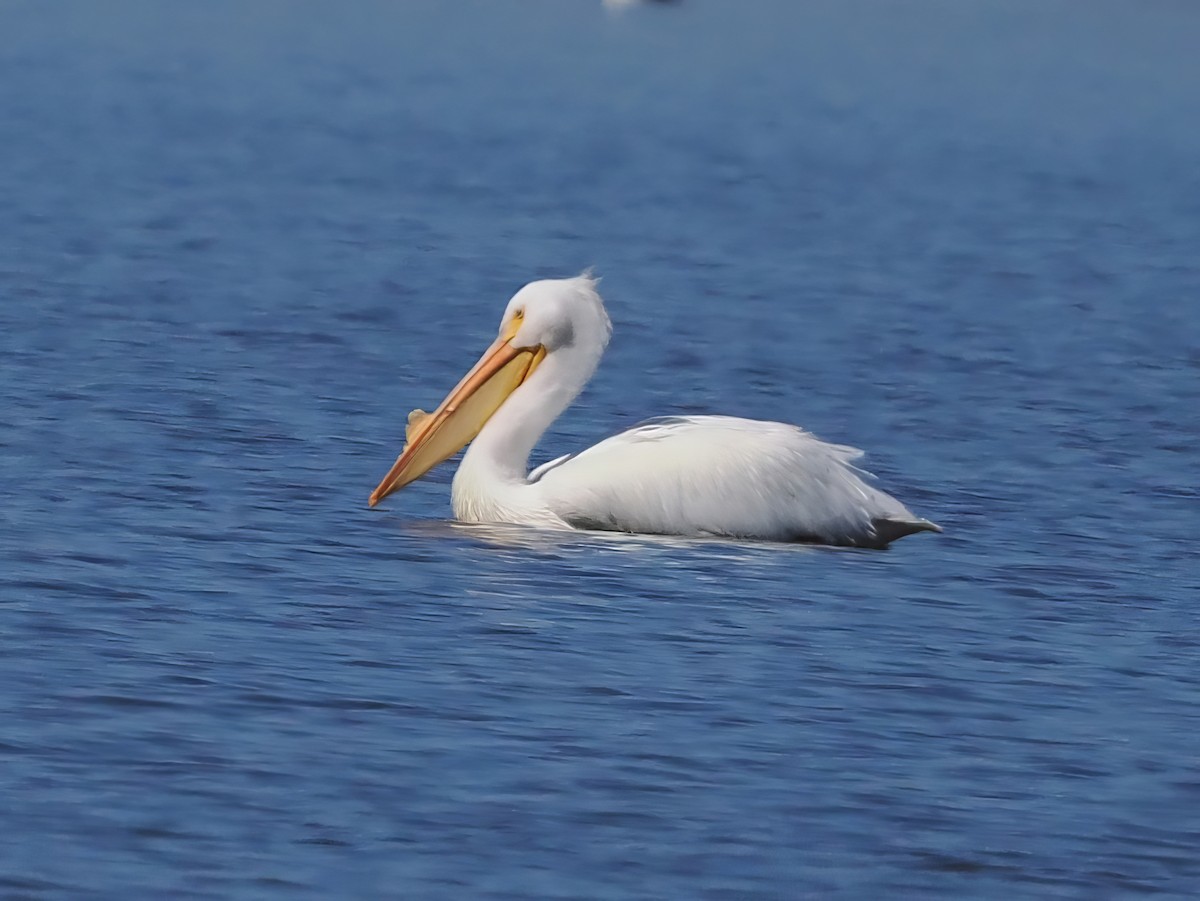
<point>500,452</point>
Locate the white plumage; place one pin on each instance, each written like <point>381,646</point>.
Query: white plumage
<point>684,475</point>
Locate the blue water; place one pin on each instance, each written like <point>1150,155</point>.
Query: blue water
<point>238,242</point>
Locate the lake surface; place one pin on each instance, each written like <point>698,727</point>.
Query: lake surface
<point>238,242</point>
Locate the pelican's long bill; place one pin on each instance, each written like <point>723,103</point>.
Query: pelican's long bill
<point>431,438</point>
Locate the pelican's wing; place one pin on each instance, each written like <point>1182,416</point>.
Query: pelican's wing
<point>720,475</point>
<point>538,471</point>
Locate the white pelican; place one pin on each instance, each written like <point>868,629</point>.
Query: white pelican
<point>680,475</point>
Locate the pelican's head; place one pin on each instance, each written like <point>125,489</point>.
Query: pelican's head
<point>543,318</point>
<point>555,313</point>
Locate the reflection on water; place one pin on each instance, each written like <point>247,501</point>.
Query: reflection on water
<point>566,541</point>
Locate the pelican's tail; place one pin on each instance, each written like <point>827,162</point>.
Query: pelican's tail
<point>889,530</point>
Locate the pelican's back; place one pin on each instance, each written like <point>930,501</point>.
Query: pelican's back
<point>721,475</point>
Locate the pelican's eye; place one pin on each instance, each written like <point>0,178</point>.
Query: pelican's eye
<point>512,325</point>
